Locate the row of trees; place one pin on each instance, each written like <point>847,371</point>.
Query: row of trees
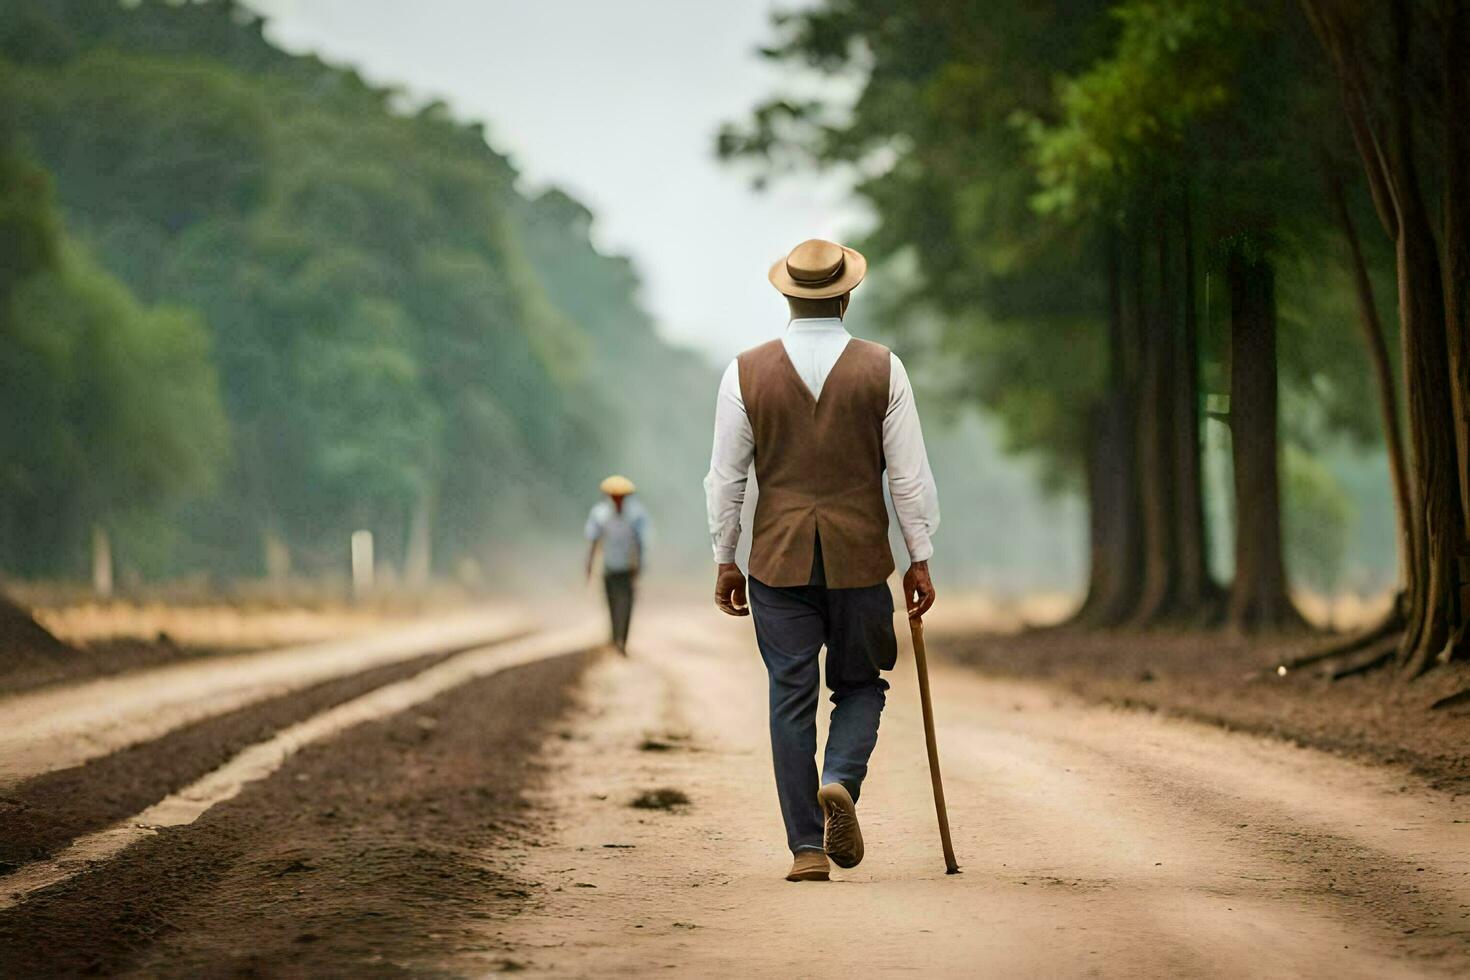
<point>89,430</point>
<point>344,306</point>
<point>1132,215</point>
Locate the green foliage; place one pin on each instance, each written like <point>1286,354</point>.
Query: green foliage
<point>1127,116</point>
<point>1317,519</point>
<point>372,430</point>
<point>112,409</point>
<point>29,230</point>
<point>999,146</point>
<point>1327,391</point>
<point>390,326</point>
<point>668,449</point>
<point>1013,301</point>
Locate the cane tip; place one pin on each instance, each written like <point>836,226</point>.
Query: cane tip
<point>952,870</point>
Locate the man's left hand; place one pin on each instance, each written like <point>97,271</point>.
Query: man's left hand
<point>730,590</point>
<point>918,589</point>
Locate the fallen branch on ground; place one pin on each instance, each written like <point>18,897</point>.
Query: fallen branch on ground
<point>1374,658</point>
<point>1390,625</point>
<point>1452,700</point>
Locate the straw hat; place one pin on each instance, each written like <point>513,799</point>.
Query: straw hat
<point>617,486</point>
<point>818,269</point>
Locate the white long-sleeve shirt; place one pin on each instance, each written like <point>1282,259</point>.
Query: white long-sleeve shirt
<point>814,346</point>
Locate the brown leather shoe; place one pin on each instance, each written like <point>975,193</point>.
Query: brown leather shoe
<point>809,866</point>
<point>844,838</point>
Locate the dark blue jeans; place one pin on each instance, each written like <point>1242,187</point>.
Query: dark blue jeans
<point>619,587</point>
<point>791,627</point>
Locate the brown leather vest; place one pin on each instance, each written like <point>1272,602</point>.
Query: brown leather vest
<point>819,465</point>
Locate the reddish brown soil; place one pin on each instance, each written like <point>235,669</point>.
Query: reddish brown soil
<point>25,646</point>
<point>1232,683</point>
<point>371,854</point>
<point>31,658</point>
<point>44,814</point>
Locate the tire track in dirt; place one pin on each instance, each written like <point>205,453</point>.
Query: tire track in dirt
<point>261,759</point>
<point>61,727</point>
<point>378,852</point>
<point>43,814</point>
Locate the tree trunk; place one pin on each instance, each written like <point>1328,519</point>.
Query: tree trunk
<point>1431,425</point>
<point>1098,567</point>
<point>1197,593</point>
<point>1176,582</point>
<point>1388,402</point>
<point>1156,443</point>
<point>1101,524</point>
<point>1121,426</point>
<point>418,556</point>
<point>1258,597</point>
<point>1114,539</point>
<point>1426,362</point>
<point>1115,543</point>
<point>1456,27</point>
<point>1434,617</point>
<point>277,557</point>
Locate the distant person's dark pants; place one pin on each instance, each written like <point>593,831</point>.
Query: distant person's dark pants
<point>791,627</point>
<point>619,587</point>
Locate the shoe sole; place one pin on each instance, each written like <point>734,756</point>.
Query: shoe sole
<point>809,876</point>
<point>834,798</point>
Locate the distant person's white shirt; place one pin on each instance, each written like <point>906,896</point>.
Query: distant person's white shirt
<point>621,535</point>
<point>814,345</point>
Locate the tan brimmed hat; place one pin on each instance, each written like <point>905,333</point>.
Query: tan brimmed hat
<point>617,486</point>
<point>818,269</point>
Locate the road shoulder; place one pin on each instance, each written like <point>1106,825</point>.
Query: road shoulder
<point>1233,684</point>
<point>372,853</point>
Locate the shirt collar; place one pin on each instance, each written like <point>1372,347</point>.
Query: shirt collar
<point>822,323</point>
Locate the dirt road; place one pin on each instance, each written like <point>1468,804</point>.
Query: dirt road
<point>342,829</point>
<point>467,813</point>
<point>1093,842</point>
<point>67,725</point>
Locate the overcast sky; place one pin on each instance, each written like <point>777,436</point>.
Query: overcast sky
<point>618,103</point>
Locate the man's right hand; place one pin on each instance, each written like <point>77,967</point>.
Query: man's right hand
<point>918,589</point>
<point>730,590</point>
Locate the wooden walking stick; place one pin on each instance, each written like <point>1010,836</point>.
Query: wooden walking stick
<point>916,628</point>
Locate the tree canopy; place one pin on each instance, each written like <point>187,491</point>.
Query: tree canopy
<point>1063,192</point>
<point>396,328</point>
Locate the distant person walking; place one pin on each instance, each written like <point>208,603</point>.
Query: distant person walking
<point>822,415</point>
<point>617,526</point>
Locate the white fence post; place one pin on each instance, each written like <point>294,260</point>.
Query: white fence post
<point>362,563</point>
<point>101,562</point>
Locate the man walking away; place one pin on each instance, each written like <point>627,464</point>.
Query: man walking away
<point>617,526</point>
<point>822,415</point>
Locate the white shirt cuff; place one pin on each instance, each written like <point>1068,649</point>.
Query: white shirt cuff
<point>920,548</point>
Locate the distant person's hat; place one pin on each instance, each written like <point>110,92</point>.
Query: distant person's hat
<point>617,486</point>
<point>818,269</point>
